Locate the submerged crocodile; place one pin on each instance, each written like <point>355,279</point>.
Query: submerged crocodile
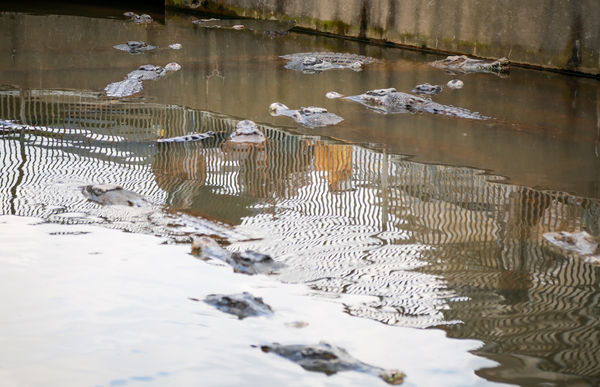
<point>314,62</point>
<point>329,359</point>
<point>392,101</point>
<point>218,23</point>
<point>139,19</point>
<point>271,28</point>
<point>427,89</point>
<point>459,64</point>
<point>132,84</point>
<point>113,194</point>
<point>247,262</point>
<point>134,47</point>
<point>242,305</point>
<point>311,116</point>
<point>188,137</point>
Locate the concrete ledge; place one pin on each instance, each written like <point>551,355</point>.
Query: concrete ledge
<point>559,35</point>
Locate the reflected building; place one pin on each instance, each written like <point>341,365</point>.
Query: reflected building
<point>335,160</point>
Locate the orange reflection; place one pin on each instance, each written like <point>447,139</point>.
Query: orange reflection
<point>336,160</point>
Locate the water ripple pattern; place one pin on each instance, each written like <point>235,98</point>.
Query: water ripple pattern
<point>414,244</point>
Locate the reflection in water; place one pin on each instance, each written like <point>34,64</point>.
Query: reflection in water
<point>430,245</point>
<point>336,161</point>
<point>427,245</point>
<point>180,169</point>
<point>537,139</point>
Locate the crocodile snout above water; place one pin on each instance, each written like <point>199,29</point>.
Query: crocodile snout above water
<point>311,116</point>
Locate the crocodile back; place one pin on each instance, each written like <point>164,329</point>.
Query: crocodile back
<point>337,58</point>
<point>123,88</point>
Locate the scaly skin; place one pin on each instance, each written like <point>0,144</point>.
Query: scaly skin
<point>124,88</point>
<point>134,47</point>
<point>132,84</point>
<point>187,138</point>
<point>464,64</point>
<point>392,101</point>
<point>313,62</point>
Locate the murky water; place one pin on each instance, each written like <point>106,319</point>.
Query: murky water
<point>428,221</point>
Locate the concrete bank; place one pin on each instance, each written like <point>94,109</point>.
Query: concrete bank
<point>553,34</point>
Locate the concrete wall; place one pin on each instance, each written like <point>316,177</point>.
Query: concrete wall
<point>554,34</point>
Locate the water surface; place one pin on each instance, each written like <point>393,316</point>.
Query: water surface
<point>428,221</point>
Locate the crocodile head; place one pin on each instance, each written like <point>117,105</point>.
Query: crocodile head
<point>277,108</point>
<point>377,96</point>
<point>247,131</point>
<point>246,127</point>
<point>142,19</point>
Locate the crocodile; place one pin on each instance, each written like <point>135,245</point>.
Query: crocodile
<point>242,305</point>
<point>246,131</point>
<point>217,23</point>
<point>248,262</point>
<point>580,243</point>
<point>132,83</point>
<point>329,359</point>
<point>275,34</point>
<point>139,19</point>
<point>392,101</point>
<point>124,88</point>
<point>271,28</point>
<point>427,89</point>
<point>188,137</point>
<point>314,62</point>
<point>460,64</point>
<point>113,194</point>
<point>134,47</point>
<point>311,116</point>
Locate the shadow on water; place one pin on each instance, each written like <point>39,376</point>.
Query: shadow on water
<point>433,241</point>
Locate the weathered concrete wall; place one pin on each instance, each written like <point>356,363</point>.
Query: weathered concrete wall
<point>555,34</point>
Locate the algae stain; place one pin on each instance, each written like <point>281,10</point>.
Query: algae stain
<point>332,26</point>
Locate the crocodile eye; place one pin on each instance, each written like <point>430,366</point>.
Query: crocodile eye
<point>381,92</point>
